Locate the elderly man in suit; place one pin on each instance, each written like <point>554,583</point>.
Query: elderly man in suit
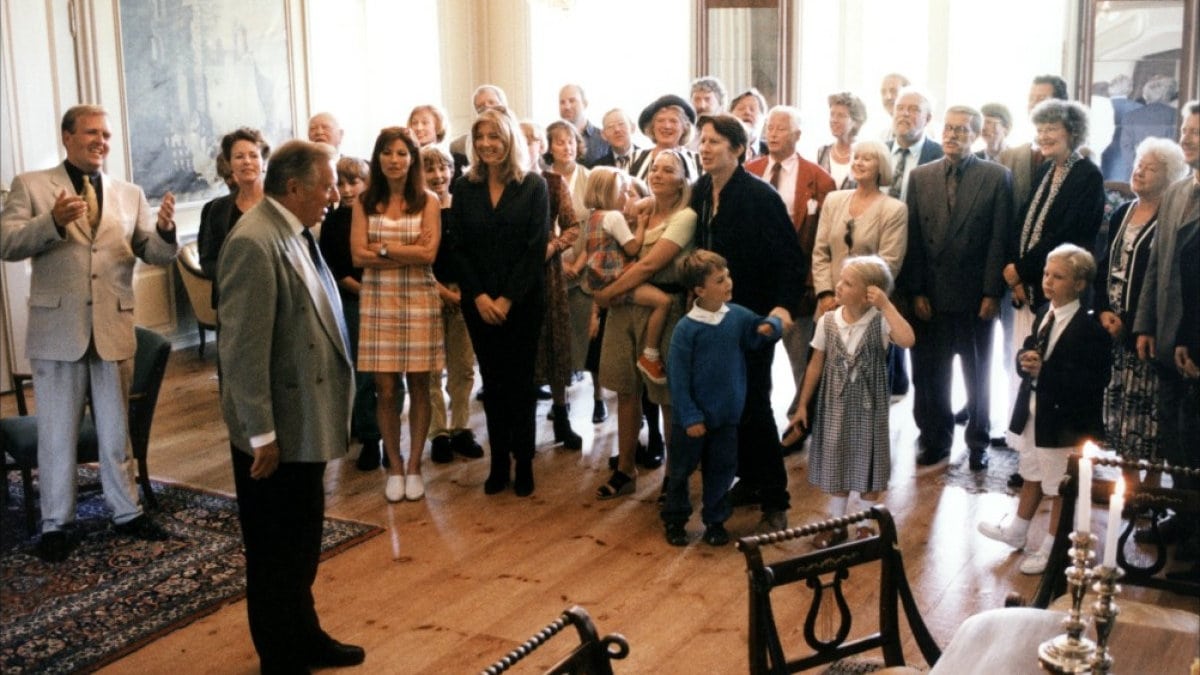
<point>83,231</point>
<point>803,186</point>
<point>958,222</point>
<point>1165,324</point>
<point>286,390</point>
<point>618,134</point>
<point>910,148</point>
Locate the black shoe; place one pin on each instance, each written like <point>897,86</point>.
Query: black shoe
<point>599,411</point>
<point>676,535</point>
<point>563,433</point>
<point>440,451</point>
<point>715,535</point>
<point>368,457</point>
<point>543,394</point>
<point>978,459</point>
<point>55,547</point>
<point>464,444</point>
<point>336,655</point>
<point>613,462</point>
<point>1015,481</point>
<point>961,417</point>
<point>144,528</point>
<point>931,456</point>
<point>523,482</point>
<point>650,456</point>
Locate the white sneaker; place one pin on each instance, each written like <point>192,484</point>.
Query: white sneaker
<point>1002,534</point>
<point>414,487</point>
<point>394,490</point>
<point>1034,563</point>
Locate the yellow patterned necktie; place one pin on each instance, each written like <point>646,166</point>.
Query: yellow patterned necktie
<point>93,206</point>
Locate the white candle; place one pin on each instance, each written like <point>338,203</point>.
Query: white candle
<point>1083,507</point>
<point>1116,504</point>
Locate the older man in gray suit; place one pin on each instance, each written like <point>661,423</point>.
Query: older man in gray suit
<point>83,231</point>
<point>958,222</point>
<point>1160,323</point>
<point>286,390</point>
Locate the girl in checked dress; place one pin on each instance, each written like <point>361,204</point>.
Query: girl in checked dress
<point>851,449</point>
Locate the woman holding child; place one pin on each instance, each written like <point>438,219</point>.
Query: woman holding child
<point>668,231</point>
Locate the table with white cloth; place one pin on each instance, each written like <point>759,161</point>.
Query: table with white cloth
<point>1006,641</point>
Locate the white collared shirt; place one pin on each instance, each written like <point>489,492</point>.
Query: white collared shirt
<point>788,172</point>
<point>914,158</point>
<point>702,315</point>
<point>1062,316</point>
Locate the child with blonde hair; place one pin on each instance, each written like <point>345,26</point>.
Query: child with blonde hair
<point>851,444</point>
<point>610,248</point>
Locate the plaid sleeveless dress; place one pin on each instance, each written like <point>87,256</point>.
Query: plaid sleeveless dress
<point>400,322</point>
<point>851,445</point>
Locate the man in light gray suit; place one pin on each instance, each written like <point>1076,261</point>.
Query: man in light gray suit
<point>83,231</point>
<point>958,222</point>
<point>1160,323</point>
<point>286,391</point>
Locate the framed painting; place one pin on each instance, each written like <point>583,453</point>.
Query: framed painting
<point>192,72</point>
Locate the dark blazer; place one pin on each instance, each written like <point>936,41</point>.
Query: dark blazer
<point>957,258</point>
<point>811,183</point>
<point>754,234</point>
<point>215,225</point>
<point>1154,119</point>
<point>610,158</point>
<point>500,250</point>
<point>335,247</point>
<point>1070,387</point>
<point>930,151</point>
<point>1073,217</point>
<point>1126,308</point>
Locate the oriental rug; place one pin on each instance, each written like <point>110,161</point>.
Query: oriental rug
<point>116,594</point>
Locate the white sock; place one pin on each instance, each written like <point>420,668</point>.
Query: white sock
<point>1047,543</point>
<point>650,353</point>
<point>837,506</point>
<point>1019,526</point>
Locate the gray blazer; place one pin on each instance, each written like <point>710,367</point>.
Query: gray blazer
<point>1019,160</point>
<point>956,258</point>
<point>285,366</point>
<point>82,285</point>
<point>1160,307</point>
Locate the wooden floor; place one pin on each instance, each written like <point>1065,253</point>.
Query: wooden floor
<point>460,578</point>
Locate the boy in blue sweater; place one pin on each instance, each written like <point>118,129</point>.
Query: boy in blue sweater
<point>706,373</point>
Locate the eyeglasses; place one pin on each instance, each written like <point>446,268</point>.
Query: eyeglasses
<point>956,130</point>
<point>849,239</point>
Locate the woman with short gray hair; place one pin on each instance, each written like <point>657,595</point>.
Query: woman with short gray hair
<point>1130,412</point>
<point>847,114</point>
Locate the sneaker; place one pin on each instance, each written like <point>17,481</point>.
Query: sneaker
<point>1003,535</point>
<point>1034,563</point>
<point>653,370</point>
<point>440,451</point>
<point>716,535</point>
<point>676,535</point>
<point>463,442</point>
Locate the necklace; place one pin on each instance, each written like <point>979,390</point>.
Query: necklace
<point>841,157</point>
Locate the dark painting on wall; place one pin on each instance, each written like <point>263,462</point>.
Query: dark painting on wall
<point>195,70</point>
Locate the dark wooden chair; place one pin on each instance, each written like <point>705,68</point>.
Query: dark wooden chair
<point>1144,570</point>
<point>767,649</point>
<point>593,656</point>
<point>18,435</point>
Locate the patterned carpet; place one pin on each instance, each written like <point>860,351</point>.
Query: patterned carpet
<point>115,594</point>
<point>1002,463</point>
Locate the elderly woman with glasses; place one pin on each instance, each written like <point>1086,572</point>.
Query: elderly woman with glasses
<point>861,221</point>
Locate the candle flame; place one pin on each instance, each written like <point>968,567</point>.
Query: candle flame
<point>1090,450</point>
<point>1120,488</point>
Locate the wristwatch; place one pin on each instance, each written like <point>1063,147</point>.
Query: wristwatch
<point>383,250</point>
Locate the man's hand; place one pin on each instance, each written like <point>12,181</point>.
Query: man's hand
<point>166,213</point>
<point>1111,323</point>
<point>697,430</point>
<point>67,207</point>
<point>1030,361</point>
<point>825,304</point>
<point>1146,347</point>
<point>1185,364</point>
<point>922,308</point>
<point>266,460</point>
